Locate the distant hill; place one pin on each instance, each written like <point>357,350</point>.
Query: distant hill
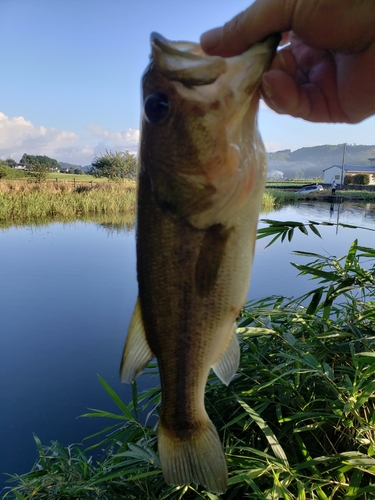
<point>310,162</point>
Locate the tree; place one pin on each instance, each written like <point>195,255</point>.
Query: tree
<point>31,160</point>
<point>116,165</point>
<point>40,170</point>
<point>9,161</point>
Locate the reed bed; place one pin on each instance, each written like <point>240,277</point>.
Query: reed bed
<point>22,202</point>
<point>275,197</point>
<point>25,202</point>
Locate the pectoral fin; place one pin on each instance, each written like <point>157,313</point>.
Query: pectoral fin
<point>137,352</point>
<point>227,365</point>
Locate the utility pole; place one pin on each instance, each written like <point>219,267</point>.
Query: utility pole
<point>342,165</point>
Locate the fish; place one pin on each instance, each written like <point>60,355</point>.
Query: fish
<point>201,175</point>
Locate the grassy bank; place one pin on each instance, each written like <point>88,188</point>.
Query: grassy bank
<point>279,196</point>
<point>30,202</point>
<point>23,202</point>
<point>297,422</point>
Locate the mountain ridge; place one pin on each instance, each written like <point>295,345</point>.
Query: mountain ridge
<point>309,162</point>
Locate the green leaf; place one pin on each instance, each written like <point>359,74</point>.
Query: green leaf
<point>354,485</point>
<point>116,399</point>
<point>367,392</point>
<point>42,456</point>
<point>314,229</point>
<point>351,257</point>
<point>135,398</point>
<point>270,436</point>
<point>312,307</point>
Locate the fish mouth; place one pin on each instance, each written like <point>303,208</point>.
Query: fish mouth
<point>187,63</point>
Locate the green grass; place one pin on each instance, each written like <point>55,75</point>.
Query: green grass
<point>297,422</point>
<point>276,197</point>
<point>298,183</point>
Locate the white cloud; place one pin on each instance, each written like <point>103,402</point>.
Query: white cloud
<point>19,136</point>
<point>128,137</point>
<point>115,141</point>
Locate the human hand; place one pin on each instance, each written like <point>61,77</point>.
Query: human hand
<point>327,72</point>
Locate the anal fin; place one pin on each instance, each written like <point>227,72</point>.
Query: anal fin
<point>137,352</point>
<point>227,365</point>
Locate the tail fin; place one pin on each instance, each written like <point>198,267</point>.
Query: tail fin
<point>199,458</point>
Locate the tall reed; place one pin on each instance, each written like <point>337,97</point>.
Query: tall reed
<point>22,202</point>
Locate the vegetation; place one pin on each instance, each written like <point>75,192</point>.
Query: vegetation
<point>40,171</point>
<point>292,183</point>
<point>30,202</point>
<point>118,165</point>
<point>70,166</point>
<point>6,172</point>
<point>27,202</point>
<point>297,422</point>
<point>46,161</point>
<point>359,179</point>
<point>70,177</point>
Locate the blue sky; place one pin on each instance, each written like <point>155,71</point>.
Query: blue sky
<point>71,69</point>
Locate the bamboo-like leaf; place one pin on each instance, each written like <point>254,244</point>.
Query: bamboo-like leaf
<point>309,254</point>
<point>104,414</point>
<point>351,256</point>
<point>313,228</point>
<point>326,275</point>
<point>117,400</point>
<point>135,398</point>
<point>42,456</point>
<point>270,436</point>
<point>354,485</point>
<point>315,300</point>
<point>367,392</point>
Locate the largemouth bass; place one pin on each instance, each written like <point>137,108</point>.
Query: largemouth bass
<point>202,170</point>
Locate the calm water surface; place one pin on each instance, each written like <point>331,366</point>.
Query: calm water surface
<point>67,292</point>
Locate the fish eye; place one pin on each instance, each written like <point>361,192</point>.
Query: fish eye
<point>156,107</point>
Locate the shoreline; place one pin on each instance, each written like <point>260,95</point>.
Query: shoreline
<point>34,203</point>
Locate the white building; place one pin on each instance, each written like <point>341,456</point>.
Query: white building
<point>335,172</point>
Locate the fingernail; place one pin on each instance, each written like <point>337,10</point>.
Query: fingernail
<point>211,39</point>
<point>267,87</point>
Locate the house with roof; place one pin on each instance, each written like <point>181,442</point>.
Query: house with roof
<point>337,173</point>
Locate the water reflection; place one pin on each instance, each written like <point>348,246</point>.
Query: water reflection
<point>119,220</point>
<point>117,227</point>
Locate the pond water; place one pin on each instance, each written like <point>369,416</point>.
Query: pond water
<point>67,292</point>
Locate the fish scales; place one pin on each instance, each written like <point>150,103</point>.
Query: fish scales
<point>202,170</point>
